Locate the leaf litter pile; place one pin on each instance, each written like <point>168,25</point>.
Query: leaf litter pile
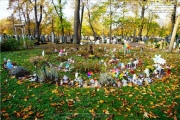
<point>22,99</point>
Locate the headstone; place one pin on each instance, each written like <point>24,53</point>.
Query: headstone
<point>69,39</point>
<point>97,42</point>
<point>91,37</point>
<point>43,53</point>
<point>60,39</point>
<point>174,45</point>
<point>52,37</point>
<point>108,41</point>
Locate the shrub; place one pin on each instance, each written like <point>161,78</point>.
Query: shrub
<point>48,74</point>
<point>37,61</point>
<point>29,43</point>
<point>87,66</point>
<point>10,45</point>
<point>105,79</point>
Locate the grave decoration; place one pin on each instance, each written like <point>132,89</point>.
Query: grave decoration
<point>90,74</point>
<point>60,53</point>
<point>116,73</point>
<point>14,70</point>
<point>9,64</point>
<point>126,47</point>
<point>65,79</point>
<point>43,53</point>
<point>113,59</point>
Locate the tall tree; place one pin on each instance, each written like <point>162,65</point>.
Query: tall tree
<point>77,34</point>
<point>59,12</point>
<point>82,15</point>
<point>90,22</point>
<point>143,6</point>
<point>174,33</point>
<point>38,21</point>
<point>173,17</point>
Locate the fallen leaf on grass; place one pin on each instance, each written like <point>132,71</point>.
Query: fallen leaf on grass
<point>25,116</point>
<point>175,117</point>
<point>101,101</point>
<point>106,112</point>
<point>20,82</point>
<point>145,115</point>
<point>130,95</point>
<point>92,112</point>
<point>6,115</point>
<point>55,91</point>
<point>30,112</point>
<point>70,102</point>
<point>3,110</point>
<point>26,98</point>
<point>128,109</point>
<point>39,115</point>
<point>17,114</point>
<point>27,109</point>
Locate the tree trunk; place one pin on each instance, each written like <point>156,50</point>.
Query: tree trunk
<point>173,18</point>
<point>77,34</point>
<point>38,22</point>
<point>134,35</point>
<point>19,12</point>
<point>142,22</point>
<point>174,33</point>
<point>28,20</point>
<point>61,18</point>
<point>28,25</point>
<point>91,26</point>
<point>110,28</point>
<point>82,12</point>
<point>60,15</point>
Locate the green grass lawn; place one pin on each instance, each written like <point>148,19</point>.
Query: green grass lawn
<point>21,99</point>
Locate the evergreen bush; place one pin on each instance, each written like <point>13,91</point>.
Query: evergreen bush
<point>10,44</point>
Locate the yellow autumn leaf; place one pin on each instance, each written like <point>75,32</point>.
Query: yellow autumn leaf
<point>55,91</point>
<point>106,112</point>
<point>91,111</point>
<point>101,101</point>
<point>25,116</point>
<point>145,115</point>
<point>128,109</point>
<point>130,95</point>
<point>151,103</point>
<point>32,95</point>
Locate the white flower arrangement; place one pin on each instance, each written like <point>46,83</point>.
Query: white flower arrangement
<point>158,60</point>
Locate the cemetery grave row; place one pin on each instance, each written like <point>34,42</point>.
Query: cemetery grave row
<point>108,70</point>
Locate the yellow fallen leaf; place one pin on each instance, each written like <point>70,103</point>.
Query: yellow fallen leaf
<point>91,111</point>
<point>106,112</point>
<point>101,101</point>
<point>128,109</point>
<point>151,103</point>
<point>27,109</point>
<point>130,95</point>
<point>55,91</point>
<point>53,104</point>
<point>25,116</point>
<point>145,115</point>
<point>32,95</point>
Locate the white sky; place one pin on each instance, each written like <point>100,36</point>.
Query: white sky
<point>4,13</point>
